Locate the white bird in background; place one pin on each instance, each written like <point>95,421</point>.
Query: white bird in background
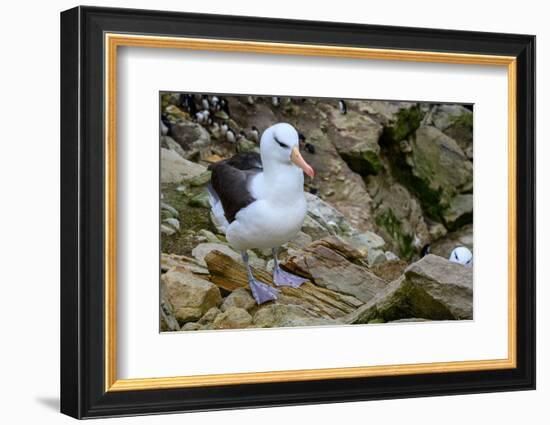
<point>258,201</point>
<point>462,255</point>
<point>230,135</point>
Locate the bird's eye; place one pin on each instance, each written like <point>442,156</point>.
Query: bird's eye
<point>281,144</point>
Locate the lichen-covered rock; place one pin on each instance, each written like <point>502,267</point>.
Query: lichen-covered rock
<point>433,167</point>
<point>169,143</point>
<point>389,270</point>
<point>232,318</point>
<point>209,316</point>
<point>400,119</point>
<point>175,169</point>
<point>200,200</point>
<point>190,296</point>
<point>456,122</point>
<point>400,299</point>
<point>169,261</point>
<point>447,282</point>
<point>355,136</point>
<point>203,249</point>
<point>167,230</point>
<point>191,326</point>
<point>460,211</point>
<point>280,315</point>
<point>230,275</point>
<point>301,240</point>
<point>329,266</point>
<point>398,215</point>
<point>364,242</point>
<point>208,236</point>
<point>240,298</point>
<point>167,320</point>
<point>173,113</point>
<point>326,216</point>
<point>433,288</point>
<point>323,219</point>
<point>192,137</point>
<point>200,180</point>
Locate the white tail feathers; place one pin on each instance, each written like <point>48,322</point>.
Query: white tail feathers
<point>217,210</point>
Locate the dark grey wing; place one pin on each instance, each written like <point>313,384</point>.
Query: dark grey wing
<point>246,161</point>
<point>230,180</point>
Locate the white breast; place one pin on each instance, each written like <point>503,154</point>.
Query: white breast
<point>275,217</point>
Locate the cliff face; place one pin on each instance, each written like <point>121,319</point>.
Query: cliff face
<point>391,178</point>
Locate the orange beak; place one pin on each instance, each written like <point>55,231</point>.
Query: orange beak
<point>298,160</point>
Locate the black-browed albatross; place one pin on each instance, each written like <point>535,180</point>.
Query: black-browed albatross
<point>258,201</point>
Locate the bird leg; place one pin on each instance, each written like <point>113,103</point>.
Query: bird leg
<point>260,291</point>
<point>282,278</point>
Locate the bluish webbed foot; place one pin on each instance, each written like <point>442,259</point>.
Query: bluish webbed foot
<point>282,278</point>
<point>262,292</point>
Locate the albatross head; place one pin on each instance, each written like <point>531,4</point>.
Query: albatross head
<point>279,146</point>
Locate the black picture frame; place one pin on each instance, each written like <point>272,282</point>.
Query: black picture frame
<point>82,212</point>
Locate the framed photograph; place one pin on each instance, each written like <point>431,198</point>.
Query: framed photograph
<point>261,212</point>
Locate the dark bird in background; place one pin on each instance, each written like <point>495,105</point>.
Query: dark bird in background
<point>310,148</point>
<point>165,125</point>
<point>187,102</point>
<point>241,135</point>
<point>224,105</point>
<point>342,107</point>
<point>425,250</point>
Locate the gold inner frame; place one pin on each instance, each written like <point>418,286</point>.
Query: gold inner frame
<point>113,41</point>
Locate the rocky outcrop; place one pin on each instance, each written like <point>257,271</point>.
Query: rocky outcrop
<point>240,298</point>
<point>175,169</point>
<point>460,211</point>
<point>230,275</point>
<point>398,215</point>
<point>323,220</point>
<point>189,295</point>
<point>202,250</point>
<point>355,136</point>
<point>433,288</point>
<point>446,282</point>
<point>168,321</point>
<point>281,315</point>
<point>456,122</point>
<point>332,264</point>
<point>433,167</point>
<point>192,138</point>
<point>232,318</point>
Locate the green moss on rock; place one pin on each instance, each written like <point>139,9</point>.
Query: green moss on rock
<point>389,222</point>
<point>192,220</point>
<point>408,120</point>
